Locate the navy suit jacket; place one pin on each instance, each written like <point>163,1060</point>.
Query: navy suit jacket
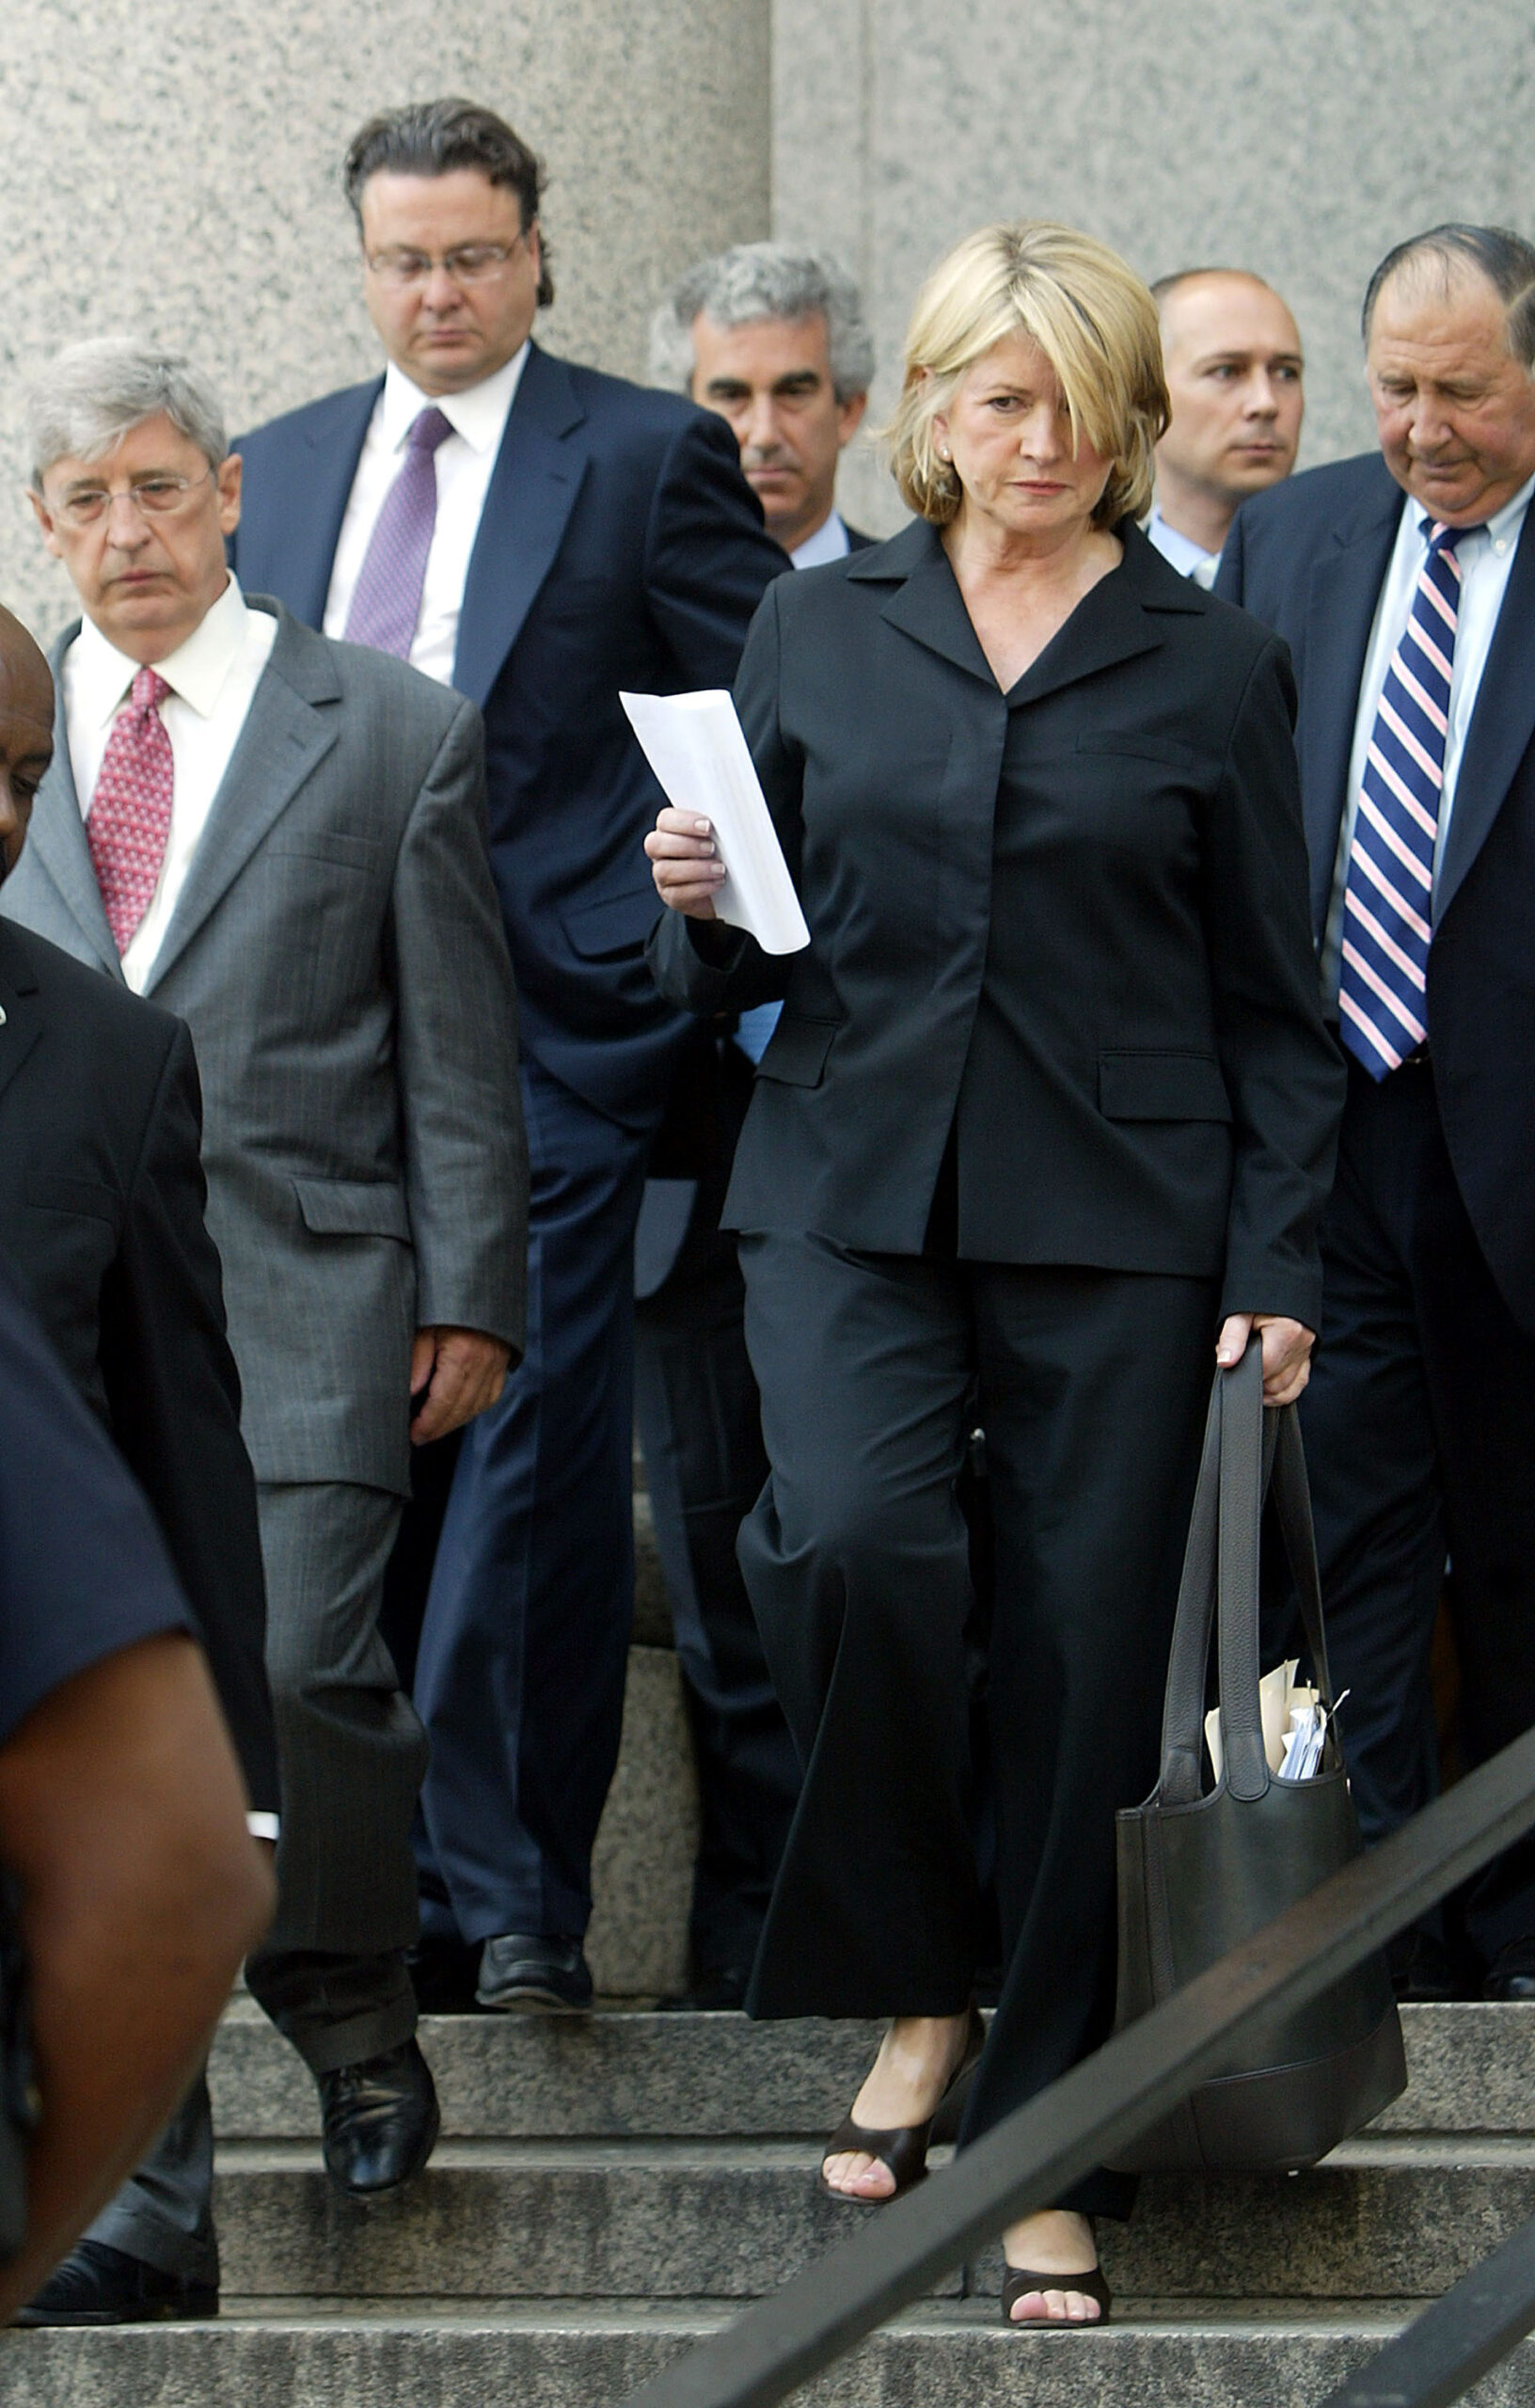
<point>1308,557</point>
<point>620,546</point>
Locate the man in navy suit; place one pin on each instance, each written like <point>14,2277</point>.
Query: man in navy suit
<point>1404,584</point>
<point>540,536</point>
<point>776,342</point>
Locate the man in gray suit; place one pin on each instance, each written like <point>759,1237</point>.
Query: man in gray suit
<point>281,838</point>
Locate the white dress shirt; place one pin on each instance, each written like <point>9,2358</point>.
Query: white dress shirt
<point>464,461</point>
<point>1187,557</point>
<point>1485,558</point>
<point>213,677</point>
<point>829,542</point>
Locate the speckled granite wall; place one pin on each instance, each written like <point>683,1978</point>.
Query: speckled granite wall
<point>169,164</point>
<point>1301,140</point>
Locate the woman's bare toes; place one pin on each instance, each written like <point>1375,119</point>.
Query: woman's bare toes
<point>858,2176</point>
<point>1055,2307</point>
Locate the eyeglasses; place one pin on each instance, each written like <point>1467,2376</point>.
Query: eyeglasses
<point>470,264</point>
<point>154,497</point>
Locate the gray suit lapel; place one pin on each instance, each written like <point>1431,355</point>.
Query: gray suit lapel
<point>284,738</point>
<point>56,838</point>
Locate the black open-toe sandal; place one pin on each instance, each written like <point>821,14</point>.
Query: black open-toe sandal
<point>1020,2281</point>
<point>903,2146</point>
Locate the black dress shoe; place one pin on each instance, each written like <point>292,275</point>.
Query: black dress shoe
<point>1511,1972</point>
<point>1420,1969</point>
<point>714,1992</point>
<point>380,2120</point>
<point>96,2285</point>
<point>443,1973</point>
<point>522,1970</point>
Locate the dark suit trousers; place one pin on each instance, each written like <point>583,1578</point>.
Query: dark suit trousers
<point>520,1675</point>
<point>700,1426</point>
<point>1092,1386</point>
<point>163,2214</point>
<point>1420,1425</point>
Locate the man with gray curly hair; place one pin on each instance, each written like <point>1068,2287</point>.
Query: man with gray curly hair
<point>775,341</point>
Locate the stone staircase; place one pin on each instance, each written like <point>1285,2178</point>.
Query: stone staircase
<point>609,2188</point>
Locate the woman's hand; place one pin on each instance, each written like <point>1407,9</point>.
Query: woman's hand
<point>1287,1352</point>
<point>684,863</point>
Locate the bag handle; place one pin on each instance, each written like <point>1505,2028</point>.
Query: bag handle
<point>1244,1445</point>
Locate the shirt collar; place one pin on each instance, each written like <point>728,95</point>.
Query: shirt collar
<point>1183,552</point>
<point>1500,530</point>
<point>829,542</point>
<point>100,675</point>
<point>479,412</point>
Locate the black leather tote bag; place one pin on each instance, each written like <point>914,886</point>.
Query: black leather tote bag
<point>1198,1874</point>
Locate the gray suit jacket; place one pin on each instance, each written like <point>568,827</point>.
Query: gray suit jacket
<point>337,954</point>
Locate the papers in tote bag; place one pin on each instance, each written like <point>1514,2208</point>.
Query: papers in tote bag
<point>694,744</point>
<point>1295,1725</point>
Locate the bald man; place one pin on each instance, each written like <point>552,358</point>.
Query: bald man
<point>1235,375</point>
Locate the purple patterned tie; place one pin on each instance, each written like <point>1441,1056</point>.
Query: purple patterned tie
<point>386,602</point>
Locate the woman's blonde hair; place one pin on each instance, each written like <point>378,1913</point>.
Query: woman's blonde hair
<point>1090,315</point>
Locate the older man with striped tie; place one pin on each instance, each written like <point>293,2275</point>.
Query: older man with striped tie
<point>1405,585</point>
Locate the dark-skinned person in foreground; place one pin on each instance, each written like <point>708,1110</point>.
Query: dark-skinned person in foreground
<point>122,1811</point>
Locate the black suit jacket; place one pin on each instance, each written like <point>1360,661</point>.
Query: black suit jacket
<point>619,546</point>
<point>1308,558</point>
<point>1133,1059</point>
<point>101,1215</point>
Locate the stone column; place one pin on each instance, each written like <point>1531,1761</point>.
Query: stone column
<point>1300,141</point>
<point>171,168</point>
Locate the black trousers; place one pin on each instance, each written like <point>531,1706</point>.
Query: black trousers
<point>1420,1425</point>
<point>1091,1387</point>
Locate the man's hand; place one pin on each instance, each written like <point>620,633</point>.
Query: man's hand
<point>1287,1352</point>
<point>462,1370</point>
<point>684,863</point>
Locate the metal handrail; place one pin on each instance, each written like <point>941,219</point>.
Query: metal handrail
<point>1097,2109</point>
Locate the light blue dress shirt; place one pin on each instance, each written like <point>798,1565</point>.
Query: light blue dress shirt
<point>1186,556</point>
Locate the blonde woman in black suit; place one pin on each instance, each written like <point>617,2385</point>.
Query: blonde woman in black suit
<point>1050,1108</point>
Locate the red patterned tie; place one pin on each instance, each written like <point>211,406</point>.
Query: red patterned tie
<point>129,825</point>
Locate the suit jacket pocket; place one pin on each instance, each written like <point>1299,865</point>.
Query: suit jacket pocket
<point>85,1196</point>
<point>352,1207</point>
<point>796,1051</point>
<point>328,845</point>
<point>1140,747</point>
<point>1162,1087</point>
<point>613,925</point>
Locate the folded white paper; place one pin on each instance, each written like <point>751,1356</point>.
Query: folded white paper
<point>694,744</point>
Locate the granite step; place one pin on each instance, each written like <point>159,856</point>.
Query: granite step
<point>1388,2218</point>
<point>631,2074</point>
<point>949,2356</point>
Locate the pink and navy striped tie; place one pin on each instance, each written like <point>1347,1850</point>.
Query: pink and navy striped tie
<point>1388,895</point>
